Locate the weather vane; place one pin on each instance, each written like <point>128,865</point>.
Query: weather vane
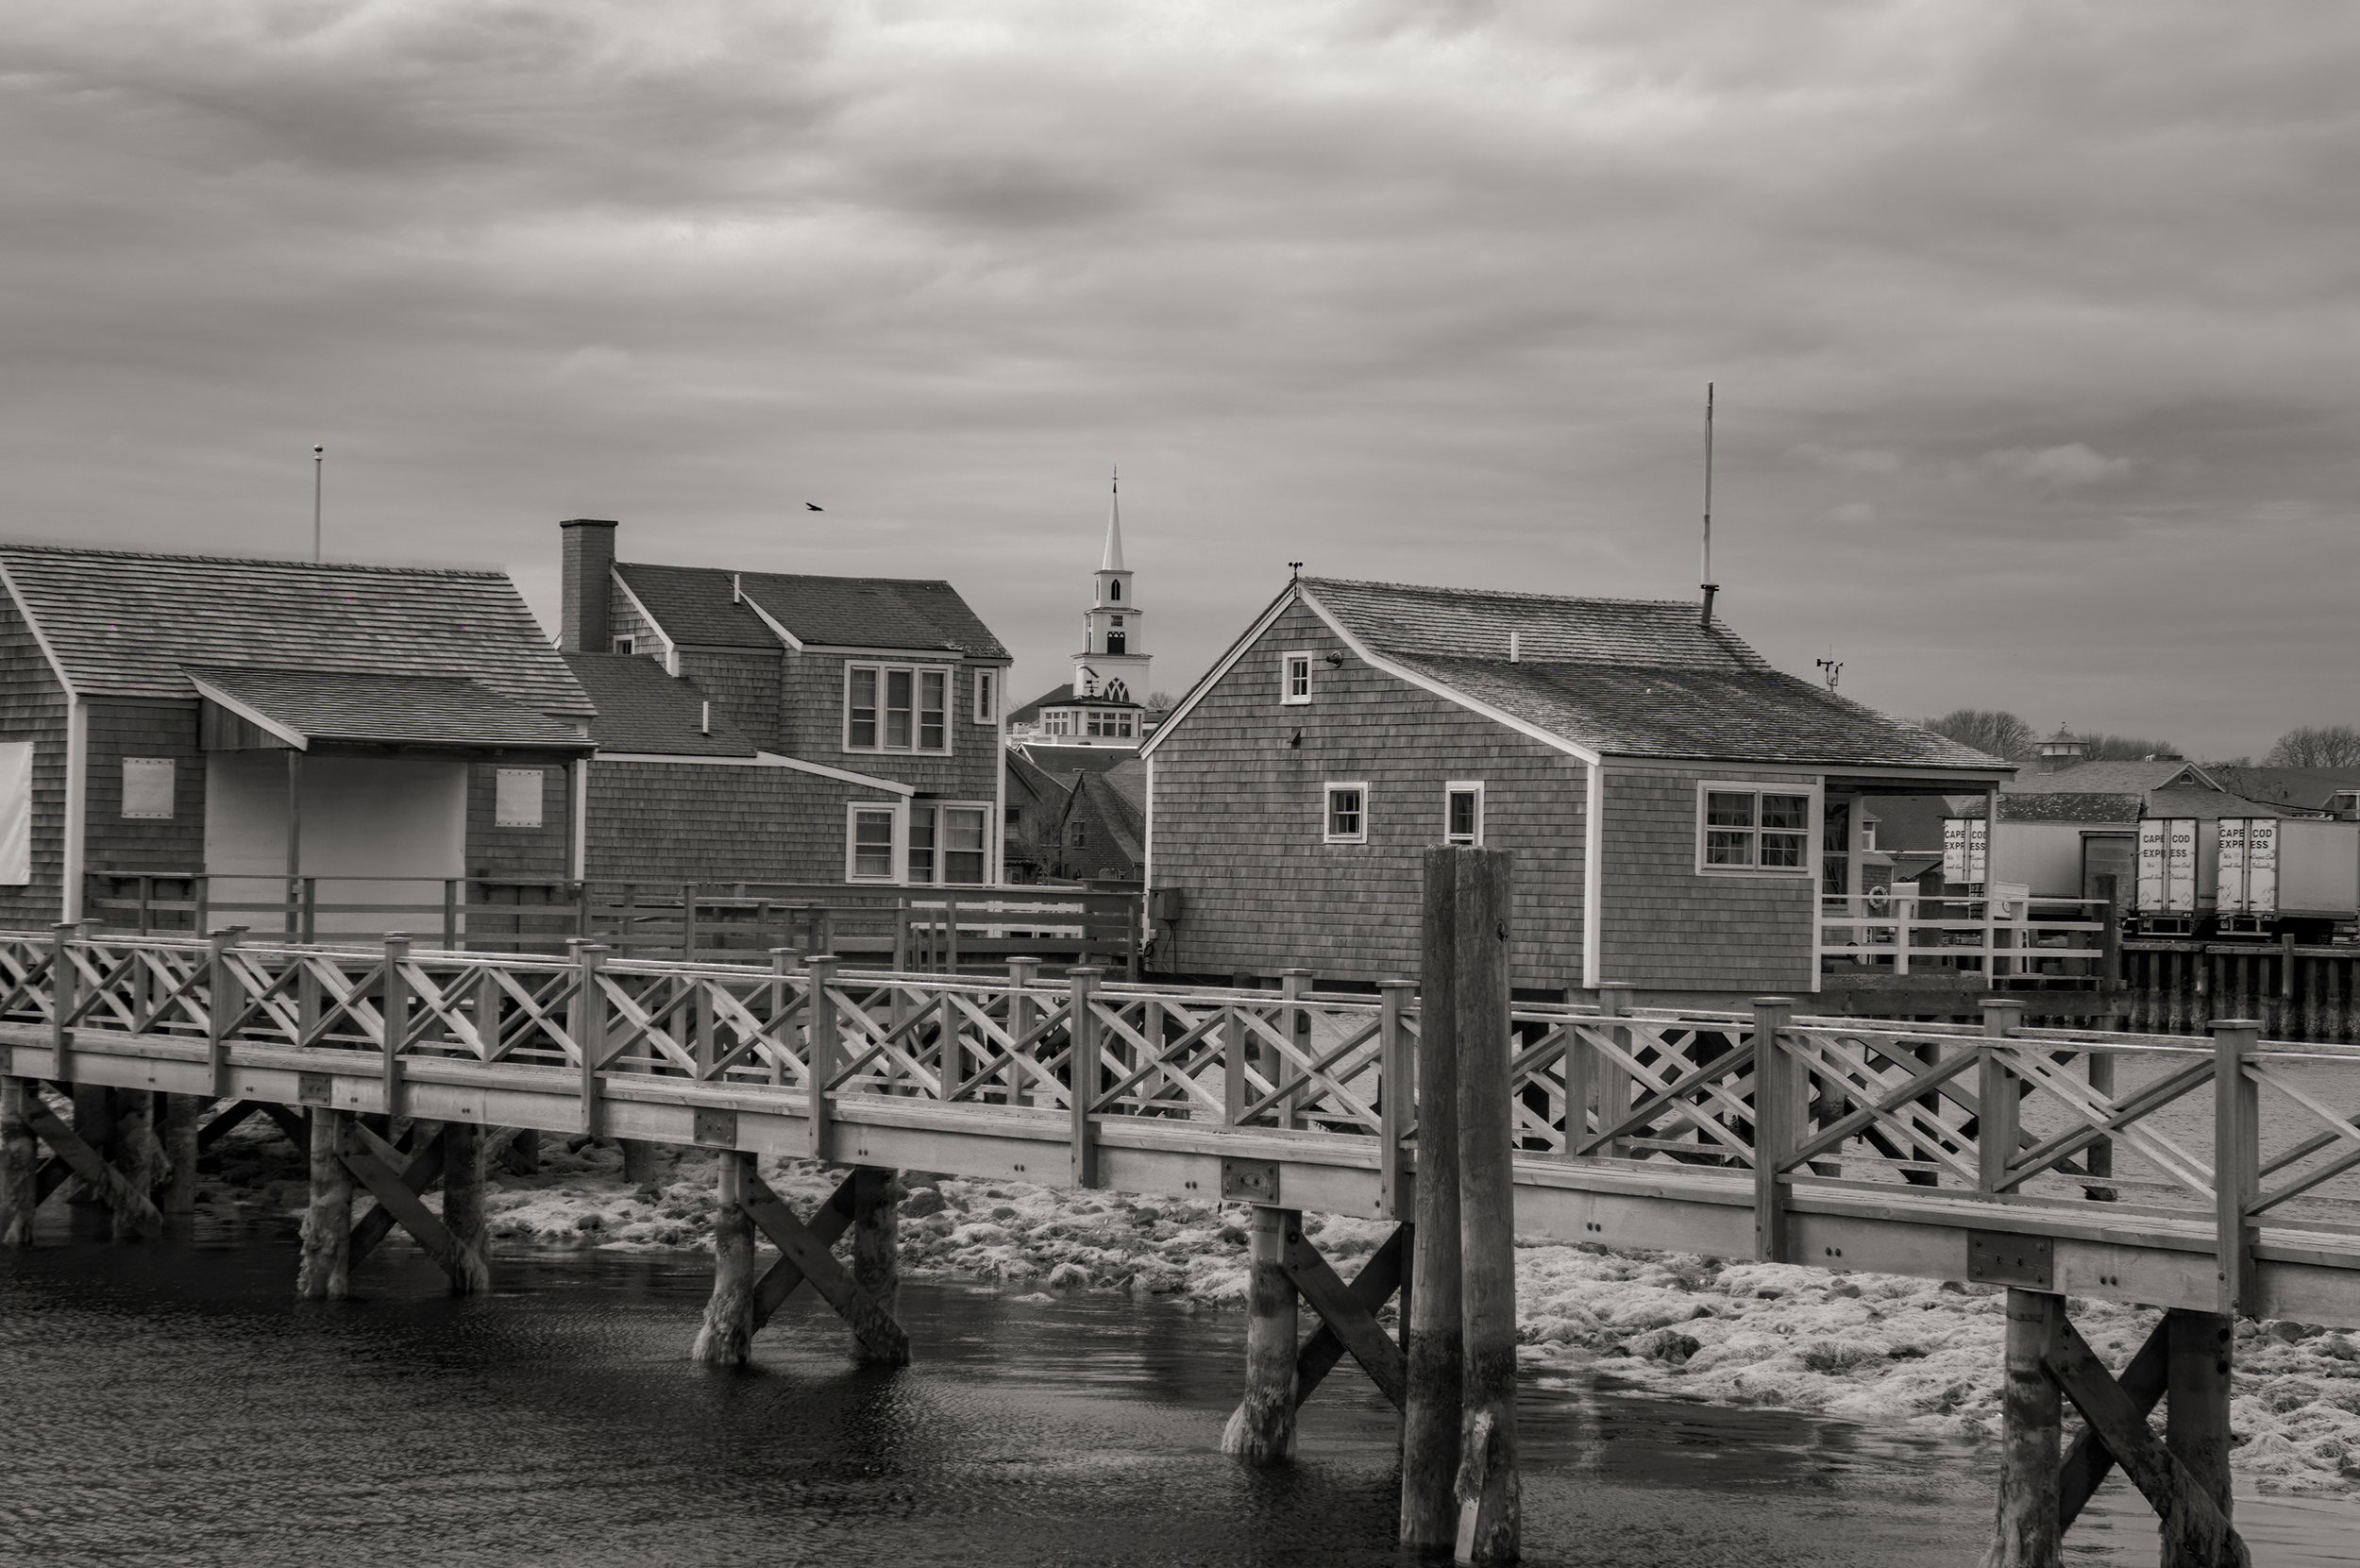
<point>1833,665</point>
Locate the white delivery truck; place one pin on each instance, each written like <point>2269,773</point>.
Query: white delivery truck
<point>2295,874</point>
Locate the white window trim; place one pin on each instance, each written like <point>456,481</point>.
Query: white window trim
<point>950,709</point>
<point>1327,812</point>
<point>986,694</point>
<point>1459,786</point>
<point>1813,828</point>
<point>941,848</point>
<point>1286,679</point>
<point>898,811</point>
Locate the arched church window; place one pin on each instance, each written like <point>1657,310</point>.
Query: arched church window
<point>1118,691</point>
<point>1113,589</point>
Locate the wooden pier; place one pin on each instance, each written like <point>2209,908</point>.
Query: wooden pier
<point>2054,1162</point>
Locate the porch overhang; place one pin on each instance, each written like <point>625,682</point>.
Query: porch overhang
<point>350,712</point>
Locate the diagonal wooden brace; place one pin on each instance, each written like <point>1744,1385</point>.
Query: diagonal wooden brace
<point>802,1246</point>
<point>2195,1531</point>
<point>2089,1461</point>
<point>419,1169</point>
<point>371,1160</point>
<point>231,1116</point>
<point>828,1225</point>
<point>290,1121</point>
<point>1348,1316</point>
<point>121,1195</point>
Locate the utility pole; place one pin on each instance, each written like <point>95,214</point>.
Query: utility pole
<point>319,462</point>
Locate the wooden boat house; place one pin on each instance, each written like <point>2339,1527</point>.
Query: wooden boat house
<point>1685,819</point>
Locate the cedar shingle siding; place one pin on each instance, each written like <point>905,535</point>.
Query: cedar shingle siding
<point>1666,927</point>
<point>120,730</point>
<point>657,821</point>
<point>1239,817</point>
<point>521,854</point>
<point>32,707</point>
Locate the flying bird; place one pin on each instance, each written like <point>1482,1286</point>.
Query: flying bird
<point>813,506</point>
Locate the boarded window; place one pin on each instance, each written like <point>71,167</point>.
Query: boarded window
<point>517,798</point>
<point>16,812</point>
<point>147,789</point>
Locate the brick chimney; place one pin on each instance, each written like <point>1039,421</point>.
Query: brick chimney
<point>589,564</point>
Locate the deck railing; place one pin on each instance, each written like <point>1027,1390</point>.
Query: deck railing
<point>2227,1132</point>
<point>1998,938</point>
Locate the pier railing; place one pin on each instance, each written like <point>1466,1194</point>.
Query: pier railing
<point>2202,1140</point>
<point>1998,939</point>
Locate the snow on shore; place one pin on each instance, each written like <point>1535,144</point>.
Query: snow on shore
<point>1874,1348</point>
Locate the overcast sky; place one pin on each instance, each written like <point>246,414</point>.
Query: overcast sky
<point>2034,324</point>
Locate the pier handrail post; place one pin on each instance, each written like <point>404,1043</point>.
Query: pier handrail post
<point>1082,1095</point>
<point>1434,1351</point>
<point>1024,974</point>
<point>393,1013</point>
<point>784,962</point>
<point>589,1026</point>
<point>1293,984</point>
<point>1778,1122</point>
<point>1397,1090</point>
<point>1998,1099</point>
<point>1614,1082</point>
<point>221,1006</point>
<point>62,993</point>
<point>819,1051</point>
<point>2237,1162</point>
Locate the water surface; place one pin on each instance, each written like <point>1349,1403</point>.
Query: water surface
<point>172,1404</point>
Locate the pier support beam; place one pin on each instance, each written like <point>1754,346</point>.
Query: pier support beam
<point>175,1130</point>
<point>325,1272</point>
<point>135,1156</point>
<point>1436,1346</point>
<point>876,1265</point>
<point>2198,1349</point>
<point>94,1125</point>
<point>1486,1492</point>
<point>20,1164</point>
<point>726,1338</point>
<point>643,1162</point>
<point>463,1205</point>
<point>1262,1428</point>
<point>2030,1530</point>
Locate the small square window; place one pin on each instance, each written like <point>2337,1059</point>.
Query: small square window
<point>517,798</point>
<point>1347,814</point>
<point>1462,812</point>
<point>147,789</point>
<point>1294,680</point>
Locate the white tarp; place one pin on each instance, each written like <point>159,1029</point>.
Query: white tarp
<point>16,812</point>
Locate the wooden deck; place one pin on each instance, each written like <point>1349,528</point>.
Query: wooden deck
<point>2050,1159</point>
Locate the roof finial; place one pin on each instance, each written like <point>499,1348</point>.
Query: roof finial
<point>1113,561</point>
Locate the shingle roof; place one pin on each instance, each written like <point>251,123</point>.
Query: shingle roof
<point>643,709</point>
<point>2310,788</point>
<point>1028,776</point>
<point>696,604</point>
<point>124,623</point>
<point>2105,778</point>
<point>2056,805</point>
<point>342,707</point>
<point>1628,678</point>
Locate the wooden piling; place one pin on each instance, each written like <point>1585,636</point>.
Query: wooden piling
<point>726,1338</point>
<point>2029,1531</point>
<point>20,1163</point>
<point>1486,1494</point>
<point>2199,1349</point>
<point>175,1130</point>
<point>326,1272</point>
<point>1436,1346</point>
<point>135,1156</point>
<point>462,1206</point>
<point>1262,1428</point>
<point>94,1123</point>
<point>876,1267</point>
<point>643,1162</point>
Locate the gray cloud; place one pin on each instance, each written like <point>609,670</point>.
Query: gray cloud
<point>2032,325</point>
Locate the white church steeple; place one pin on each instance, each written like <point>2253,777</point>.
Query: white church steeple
<point>1111,664</point>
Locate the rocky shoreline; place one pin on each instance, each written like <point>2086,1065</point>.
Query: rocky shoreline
<point>1873,1348</point>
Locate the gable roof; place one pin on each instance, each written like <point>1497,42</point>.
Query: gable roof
<point>124,623</point>
<point>641,709</point>
<point>2113,778</point>
<point>1119,803</point>
<point>1029,778</point>
<point>303,707</point>
<point>1604,677</point>
<point>711,607</point>
<point>2304,789</point>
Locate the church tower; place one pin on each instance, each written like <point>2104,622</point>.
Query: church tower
<point>1113,663</point>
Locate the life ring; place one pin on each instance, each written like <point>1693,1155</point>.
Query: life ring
<point>1879,898</point>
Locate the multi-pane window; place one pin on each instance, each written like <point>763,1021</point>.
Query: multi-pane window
<point>922,855</point>
<point>1462,812</point>
<point>1111,723</point>
<point>987,697</point>
<point>1294,678</point>
<point>869,854</point>
<point>949,844</point>
<point>1754,830</point>
<point>1347,814</point>
<point>897,708</point>
<point>1058,721</point>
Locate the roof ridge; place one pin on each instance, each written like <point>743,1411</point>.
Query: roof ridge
<point>801,577</point>
<point>9,547</point>
<point>1509,593</point>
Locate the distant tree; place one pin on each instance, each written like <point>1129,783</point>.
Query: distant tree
<point>2127,747</point>
<point>2317,745</point>
<point>1158,703</point>
<point>1988,730</point>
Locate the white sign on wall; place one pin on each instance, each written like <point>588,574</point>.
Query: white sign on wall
<point>1965,850</point>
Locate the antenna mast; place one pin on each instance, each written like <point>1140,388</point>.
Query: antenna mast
<point>319,461</point>
<point>1710,586</point>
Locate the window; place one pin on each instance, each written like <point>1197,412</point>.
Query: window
<point>1462,812</point>
<point>517,798</point>
<point>922,855</point>
<point>1081,834</point>
<point>897,708</point>
<point>869,851</point>
<point>147,789</point>
<point>947,844</point>
<point>1118,691</point>
<point>1741,828</point>
<point>1114,590</point>
<point>1294,678</point>
<point>1347,814</point>
<point>1111,723</point>
<point>625,644</point>
<point>1117,641</point>
<point>1058,721</point>
<point>987,697</point>
<point>16,812</point>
